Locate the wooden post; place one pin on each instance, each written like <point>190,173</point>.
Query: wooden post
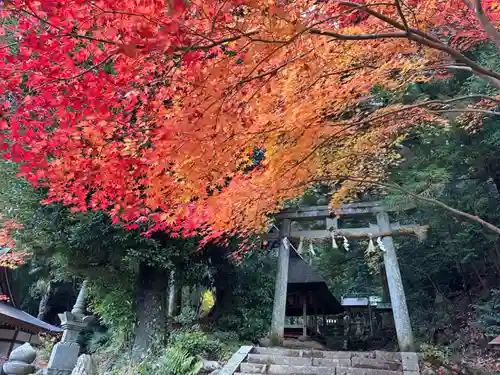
<point>279,306</point>
<point>370,317</point>
<point>397,294</point>
<point>304,316</point>
<point>316,324</point>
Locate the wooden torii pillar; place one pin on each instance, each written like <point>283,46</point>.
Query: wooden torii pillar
<point>382,229</point>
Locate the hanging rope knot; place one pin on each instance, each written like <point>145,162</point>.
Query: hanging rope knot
<point>346,244</point>
<point>311,249</point>
<point>300,249</point>
<point>381,244</point>
<point>371,246</point>
<point>334,243</point>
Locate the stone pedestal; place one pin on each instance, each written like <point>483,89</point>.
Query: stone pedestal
<point>64,356</point>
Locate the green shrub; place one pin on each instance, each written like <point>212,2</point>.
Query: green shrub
<point>47,343</point>
<point>435,353</point>
<point>197,343</point>
<point>225,336</point>
<point>175,361</point>
<point>98,340</point>
<point>187,317</point>
<point>113,301</point>
<point>489,315</point>
<point>253,293</point>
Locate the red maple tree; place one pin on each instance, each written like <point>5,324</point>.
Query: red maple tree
<point>152,109</point>
<point>10,258</point>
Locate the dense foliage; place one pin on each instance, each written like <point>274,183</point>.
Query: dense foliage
<point>152,110</point>
<point>253,292</point>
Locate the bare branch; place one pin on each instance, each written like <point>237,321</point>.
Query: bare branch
<point>10,45</point>
<point>464,110</point>
<point>275,70</point>
<point>438,203</point>
<point>402,15</point>
<point>491,80</point>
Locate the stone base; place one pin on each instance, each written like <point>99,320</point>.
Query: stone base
<point>410,363</point>
<point>64,356</point>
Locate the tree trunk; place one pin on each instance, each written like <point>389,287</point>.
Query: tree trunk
<point>174,296</point>
<point>44,307</point>
<point>150,310</point>
<point>195,297</point>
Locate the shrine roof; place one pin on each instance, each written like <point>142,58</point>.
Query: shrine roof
<point>301,272</point>
<point>24,321</point>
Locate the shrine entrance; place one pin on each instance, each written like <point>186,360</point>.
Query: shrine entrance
<point>330,221</point>
<point>309,301</point>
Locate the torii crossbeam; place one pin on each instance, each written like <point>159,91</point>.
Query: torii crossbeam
<point>382,229</point>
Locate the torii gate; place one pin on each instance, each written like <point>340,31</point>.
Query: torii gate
<point>382,229</point>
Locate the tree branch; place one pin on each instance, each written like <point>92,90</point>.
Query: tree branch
<point>68,79</point>
<point>432,201</point>
<point>491,80</point>
<point>275,70</point>
<point>402,15</point>
<point>438,203</point>
<point>217,43</point>
<point>485,22</point>
<point>360,36</point>
<point>428,40</point>
<point>350,124</point>
<point>464,110</point>
<point>425,104</point>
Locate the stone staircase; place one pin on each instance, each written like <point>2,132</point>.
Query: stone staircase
<point>281,361</point>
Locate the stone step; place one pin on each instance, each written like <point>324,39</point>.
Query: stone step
<point>254,368</point>
<point>311,353</point>
<point>388,356</point>
<point>369,363</point>
<point>364,371</point>
<point>296,361</point>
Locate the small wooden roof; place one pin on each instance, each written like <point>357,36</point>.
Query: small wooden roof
<point>299,272</point>
<point>24,321</point>
<point>303,280</point>
<point>495,342</point>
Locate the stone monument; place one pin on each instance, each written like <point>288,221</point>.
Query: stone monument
<point>20,361</point>
<point>65,353</point>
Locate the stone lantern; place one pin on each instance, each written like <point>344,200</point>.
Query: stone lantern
<point>65,353</point>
